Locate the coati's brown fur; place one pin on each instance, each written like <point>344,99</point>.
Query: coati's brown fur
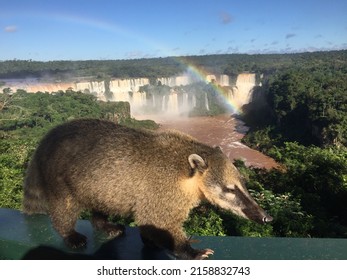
<point>111,169</point>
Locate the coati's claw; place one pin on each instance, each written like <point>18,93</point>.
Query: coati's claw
<point>209,251</point>
<point>114,231</point>
<point>204,254</point>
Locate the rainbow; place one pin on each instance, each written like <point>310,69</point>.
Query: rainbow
<point>200,74</point>
<point>196,72</point>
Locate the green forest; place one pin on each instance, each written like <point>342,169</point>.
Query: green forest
<point>298,116</point>
<point>229,64</point>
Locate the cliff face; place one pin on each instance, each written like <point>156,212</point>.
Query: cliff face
<point>174,102</point>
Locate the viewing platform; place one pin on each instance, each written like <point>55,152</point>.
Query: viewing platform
<point>33,237</point>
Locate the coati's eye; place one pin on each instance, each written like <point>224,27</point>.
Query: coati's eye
<point>229,189</point>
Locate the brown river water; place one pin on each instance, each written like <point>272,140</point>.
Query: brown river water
<point>224,131</point>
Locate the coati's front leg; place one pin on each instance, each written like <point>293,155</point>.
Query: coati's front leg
<point>100,222</point>
<point>173,240</point>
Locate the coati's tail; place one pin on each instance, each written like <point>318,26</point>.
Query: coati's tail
<point>34,200</point>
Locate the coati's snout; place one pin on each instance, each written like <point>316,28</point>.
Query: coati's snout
<point>223,186</point>
<point>243,204</point>
<point>257,214</point>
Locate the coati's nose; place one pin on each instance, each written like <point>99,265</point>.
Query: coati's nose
<point>267,219</point>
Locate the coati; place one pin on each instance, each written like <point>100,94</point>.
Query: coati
<point>112,169</point>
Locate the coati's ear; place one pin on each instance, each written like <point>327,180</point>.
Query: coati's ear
<point>218,148</point>
<point>197,162</point>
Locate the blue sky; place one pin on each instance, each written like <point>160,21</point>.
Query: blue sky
<point>127,29</point>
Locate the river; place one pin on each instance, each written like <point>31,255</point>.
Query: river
<point>224,131</point>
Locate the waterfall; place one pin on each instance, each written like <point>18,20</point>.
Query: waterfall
<point>224,80</point>
<point>126,85</point>
<point>172,105</point>
<point>121,96</point>
<point>163,104</point>
<point>206,102</point>
<point>174,81</point>
<point>182,80</point>
<point>185,102</point>
<point>94,87</point>
<point>177,101</point>
<point>211,78</point>
<point>193,101</point>
<point>168,81</point>
<point>241,93</point>
<point>138,100</point>
<point>245,84</point>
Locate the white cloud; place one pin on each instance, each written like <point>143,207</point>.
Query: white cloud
<point>10,29</point>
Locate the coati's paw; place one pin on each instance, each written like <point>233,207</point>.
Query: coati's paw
<point>113,231</point>
<point>204,254</point>
<point>75,240</point>
<point>194,254</point>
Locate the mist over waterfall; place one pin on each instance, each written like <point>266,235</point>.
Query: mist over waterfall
<point>175,95</point>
